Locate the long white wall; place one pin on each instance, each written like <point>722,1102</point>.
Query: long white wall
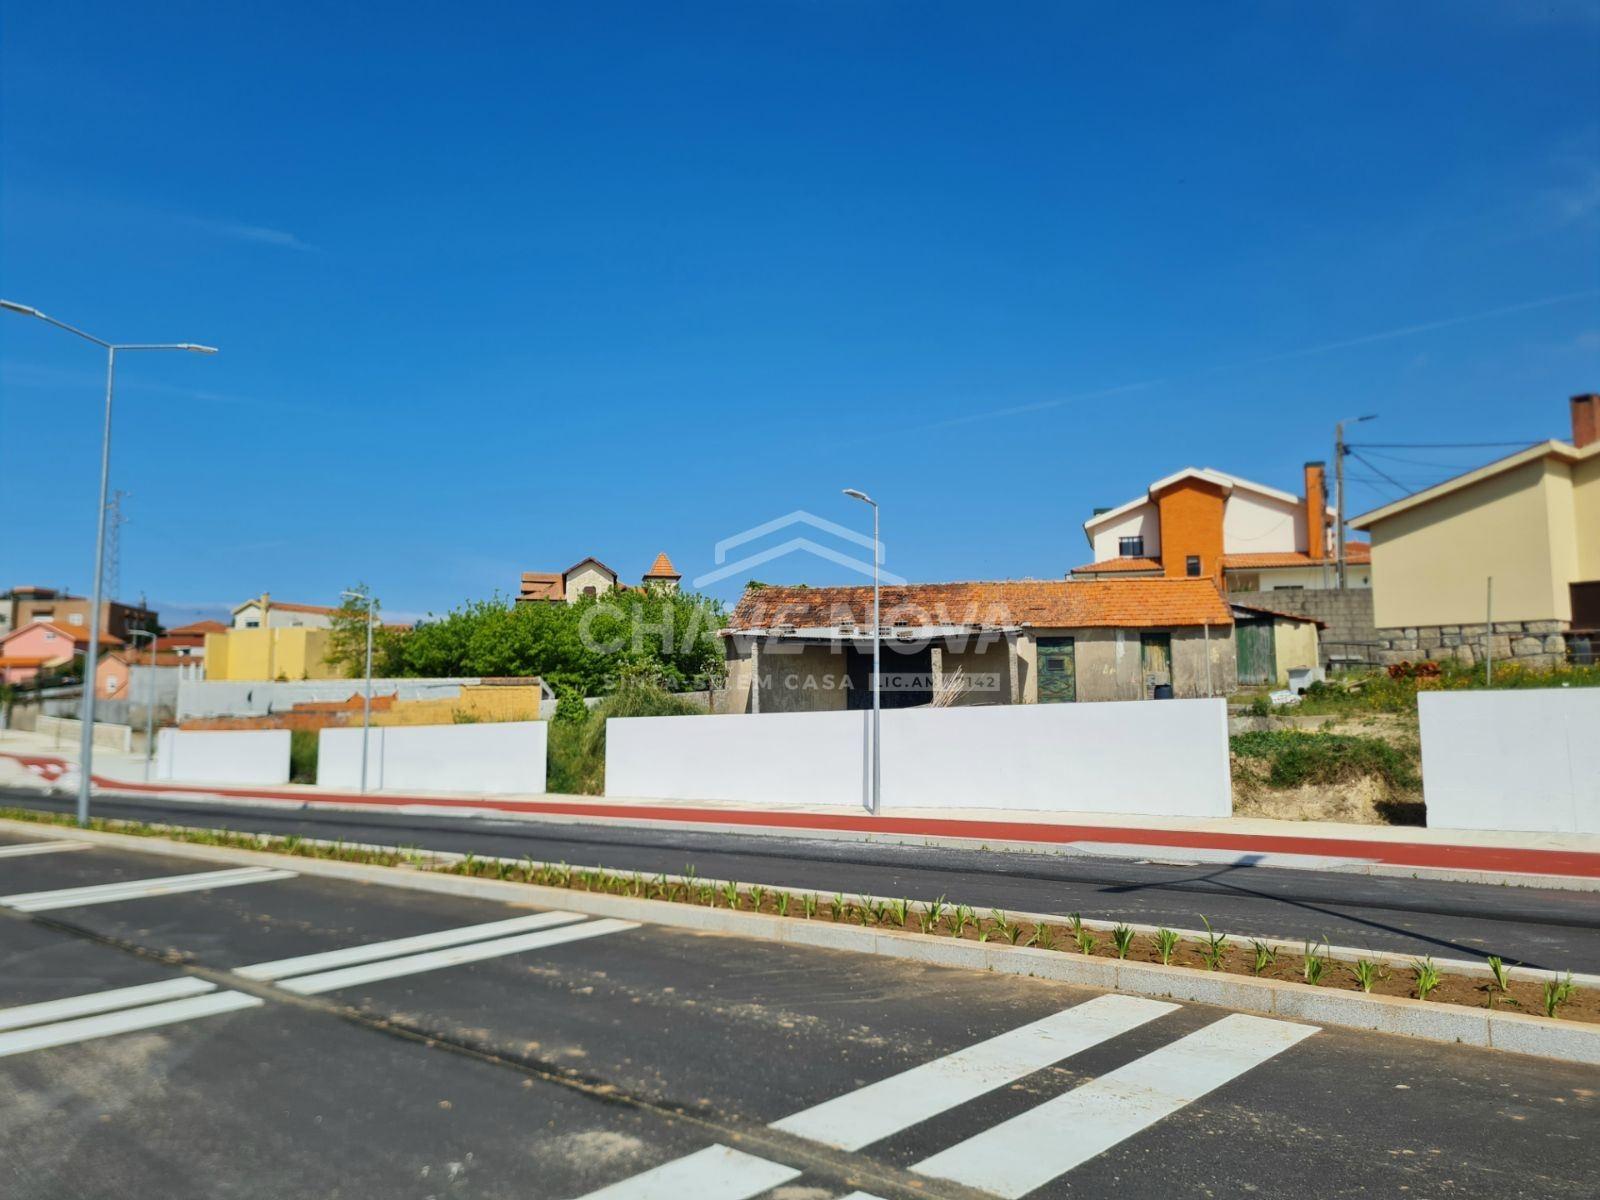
<point>1147,758</point>
<point>1521,760</point>
<point>223,756</point>
<point>506,758</point>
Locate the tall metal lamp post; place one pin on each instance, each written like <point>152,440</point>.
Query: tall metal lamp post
<point>149,698</point>
<point>91,659</point>
<point>366,699</point>
<point>877,638</point>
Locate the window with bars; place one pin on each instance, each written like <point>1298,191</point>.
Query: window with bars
<point>1131,547</point>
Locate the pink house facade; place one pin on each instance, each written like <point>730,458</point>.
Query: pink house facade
<point>27,651</point>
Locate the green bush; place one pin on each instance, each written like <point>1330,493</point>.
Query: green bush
<point>1378,691</point>
<point>302,756</point>
<point>1297,757</point>
<point>577,746</point>
<point>570,706</point>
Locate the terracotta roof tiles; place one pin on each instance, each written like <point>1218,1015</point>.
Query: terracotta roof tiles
<point>1045,604</point>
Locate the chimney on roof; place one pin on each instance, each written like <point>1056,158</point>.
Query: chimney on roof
<point>1317,510</point>
<point>1585,419</point>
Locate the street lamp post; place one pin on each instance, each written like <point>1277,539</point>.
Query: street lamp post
<point>877,638</point>
<point>91,659</point>
<point>366,699</point>
<point>149,699</point>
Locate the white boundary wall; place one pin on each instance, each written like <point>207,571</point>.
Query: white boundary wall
<point>1517,760</point>
<point>506,758</point>
<point>223,755</point>
<point>1144,757</point>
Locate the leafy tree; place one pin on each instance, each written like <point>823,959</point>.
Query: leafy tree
<point>347,640</point>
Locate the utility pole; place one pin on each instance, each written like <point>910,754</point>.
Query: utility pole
<point>1339,451</point>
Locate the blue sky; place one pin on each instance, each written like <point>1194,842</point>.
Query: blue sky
<point>500,286</point>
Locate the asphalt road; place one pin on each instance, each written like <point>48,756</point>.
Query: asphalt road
<point>1555,929</point>
<point>590,1058</point>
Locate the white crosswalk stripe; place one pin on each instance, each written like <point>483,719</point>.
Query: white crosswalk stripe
<point>99,1002</point>
<point>351,955</point>
<point>880,1109</point>
<point>327,981</point>
<point>715,1173</point>
<point>25,849</point>
<point>108,893</point>
<point>63,1033</point>
<point>1026,1152</point>
<point>1015,1157</point>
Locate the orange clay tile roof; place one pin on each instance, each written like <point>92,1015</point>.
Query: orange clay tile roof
<point>1042,603</point>
<point>78,634</point>
<point>541,585</point>
<point>305,608</point>
<point>1117,565</point>
<point>662,568</point>
<point>24,661</point>
<point>1356,552</point>
<point>197,627</point>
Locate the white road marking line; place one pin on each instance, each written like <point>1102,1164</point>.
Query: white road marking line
<point>306,963</point>
<point>860,1196</point>
<point>872,1113</point>
<point>327,981</point>
<point>63,1033</point>
<point>715,1173</point>
<point>1015,1157</point>
<point>99,1002</point>
<point>107,893</point>
<point>23,849</point>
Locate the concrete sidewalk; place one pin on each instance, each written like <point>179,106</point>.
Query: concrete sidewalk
<point>1545,859</point>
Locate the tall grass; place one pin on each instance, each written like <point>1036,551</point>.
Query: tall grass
<point>577,744</point>
<point>1295,757</point>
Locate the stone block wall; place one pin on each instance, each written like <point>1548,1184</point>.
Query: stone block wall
<point>1536,644</point>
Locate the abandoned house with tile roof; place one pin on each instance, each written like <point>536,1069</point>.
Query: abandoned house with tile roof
<point>799,649</point>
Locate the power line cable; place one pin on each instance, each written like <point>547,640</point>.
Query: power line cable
<point>1440,445</point>
<point>1380,472</point>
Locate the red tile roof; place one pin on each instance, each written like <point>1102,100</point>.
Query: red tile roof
<point>1042,603</point>
<point>79,634</point>
<point>1113,566</point>
<point>662,568</point>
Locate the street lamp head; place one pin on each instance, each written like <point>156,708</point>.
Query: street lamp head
<point>861,496</point>
<point>20,308</point>
<point>193,349</point>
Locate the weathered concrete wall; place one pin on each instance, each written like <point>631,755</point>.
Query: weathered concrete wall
<point>804,678</point>
<point>1107,662</point>
<point>240,698</point>
<point>984,671</point>
<point>1191,675</point>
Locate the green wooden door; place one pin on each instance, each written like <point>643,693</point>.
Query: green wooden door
<point>1058,671</point>
<point>1258,663</point>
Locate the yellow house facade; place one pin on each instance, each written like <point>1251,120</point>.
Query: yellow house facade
<point>1529,522</point>
<point>271,652</point>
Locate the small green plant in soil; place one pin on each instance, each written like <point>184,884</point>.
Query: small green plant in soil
<point>808,905</point>
<point>1121,941</point>
<point>1501,973</point>
<point>1262,957</point>
<point>1313,965</point>
<point>899,911</point>
<point>1427,977</point>
<point>1367,973</point>
<point>1044,937</point>
<point>1556,993</point>
<point>1214,947</point>
<point>1084,938</point>
<point>1166,943</point>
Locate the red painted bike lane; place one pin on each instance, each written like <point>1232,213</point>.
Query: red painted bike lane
<point>1427,855</point>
